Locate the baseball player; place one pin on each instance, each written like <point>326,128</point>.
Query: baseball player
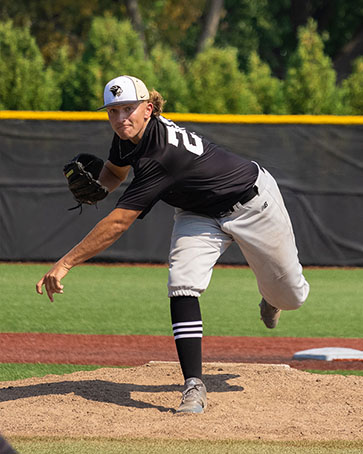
<point>219,198</point>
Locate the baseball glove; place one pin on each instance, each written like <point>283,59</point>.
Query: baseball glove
<point>82,173</point>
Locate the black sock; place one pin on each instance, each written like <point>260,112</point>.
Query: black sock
<point>188,332</point>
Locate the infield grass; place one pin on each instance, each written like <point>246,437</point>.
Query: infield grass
<point>133,300</point>
<point>15,371</point>
<point>18,371</point>
<point>139,446</point>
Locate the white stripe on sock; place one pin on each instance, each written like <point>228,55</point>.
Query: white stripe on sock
<point>176,325</point>
<point>185,336</point>
<point>183,330</point>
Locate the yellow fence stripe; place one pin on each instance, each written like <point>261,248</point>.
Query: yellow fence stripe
<point>266,119</point>
<point>45,115</point>
<point>194,118</point>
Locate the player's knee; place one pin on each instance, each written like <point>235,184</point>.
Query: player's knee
<point>302,294</point>
<point>291,299</point>
<point>293,304</point>
<point>287,297</point>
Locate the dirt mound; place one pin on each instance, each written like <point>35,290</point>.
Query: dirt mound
<point>245,401</point>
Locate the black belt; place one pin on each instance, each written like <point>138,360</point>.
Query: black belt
<point>246,197</point>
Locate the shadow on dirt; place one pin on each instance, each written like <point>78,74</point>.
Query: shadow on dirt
<point>114,393</point>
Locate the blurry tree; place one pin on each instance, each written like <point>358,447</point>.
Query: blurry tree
<point>66,74</point>
<point>133,11</point>
<point>267,88</point>
<point>267,27</point>
<point>112,48</point>
<point>270,28</point>
<point>211,20</point>
<point>58,23</point>
<point>353,89</point>
<point>168,22</point>
<point>25,84</point>
<point>310,85</point>
<point>82,54</point>
<point>251,26</point>
<point>170,79</point>
<point>217,86</point>
<point>342,20</point>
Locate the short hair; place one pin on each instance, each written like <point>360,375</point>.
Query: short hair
<point>158,102</point>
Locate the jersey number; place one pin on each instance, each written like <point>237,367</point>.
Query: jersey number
<point>175,133</point>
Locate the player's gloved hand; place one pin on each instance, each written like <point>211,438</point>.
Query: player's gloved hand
<point>82,174</point>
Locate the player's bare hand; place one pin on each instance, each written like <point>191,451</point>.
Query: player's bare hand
<point>52,280</point>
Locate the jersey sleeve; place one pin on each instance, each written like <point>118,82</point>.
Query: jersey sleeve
<point>146,188</point>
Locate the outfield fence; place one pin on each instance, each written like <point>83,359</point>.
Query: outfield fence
<point>317,161</point>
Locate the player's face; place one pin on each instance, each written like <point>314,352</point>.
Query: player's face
<point>129,120</point>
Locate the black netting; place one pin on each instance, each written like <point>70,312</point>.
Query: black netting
<point>319,169</point>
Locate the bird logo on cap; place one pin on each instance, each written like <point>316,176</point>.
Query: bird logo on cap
<point>116,90</point>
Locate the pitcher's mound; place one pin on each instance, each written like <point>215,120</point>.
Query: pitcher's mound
<point>245,401</point>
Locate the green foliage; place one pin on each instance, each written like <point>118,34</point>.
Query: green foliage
<point>113,48</point>
<point>310,85</point>
<point>59,55</point>
<point>249,26</point>
<point>55,24</point>
<point>353,88</point>
<point>168,21</point>
<point>66,75</point>
<point>170,79</point>
<point>217,86</point>
<point>267,28</point>
<point>267,89</point>
<point>343,25</point>
<point>25,83</point>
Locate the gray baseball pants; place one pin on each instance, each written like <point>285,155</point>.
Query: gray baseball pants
<point>263,231</point>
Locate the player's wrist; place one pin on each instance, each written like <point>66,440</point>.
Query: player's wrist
<point>65,264</point>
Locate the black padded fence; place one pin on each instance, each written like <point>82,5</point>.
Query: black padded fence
<point>319,168</point>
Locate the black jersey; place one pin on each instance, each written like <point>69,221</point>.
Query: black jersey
<point>182,169</point>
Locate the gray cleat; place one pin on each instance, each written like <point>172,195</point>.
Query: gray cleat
<point>194,398</point>
<point>269,315</point>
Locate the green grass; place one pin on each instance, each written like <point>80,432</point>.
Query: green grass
<point>96,300</point>
<point>337,371</point>
<point>133,300</point>
<point>139,446</point>
<point>333,308</point>
<point>15,371</point>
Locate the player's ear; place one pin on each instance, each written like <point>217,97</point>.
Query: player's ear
<point>149,109</point>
